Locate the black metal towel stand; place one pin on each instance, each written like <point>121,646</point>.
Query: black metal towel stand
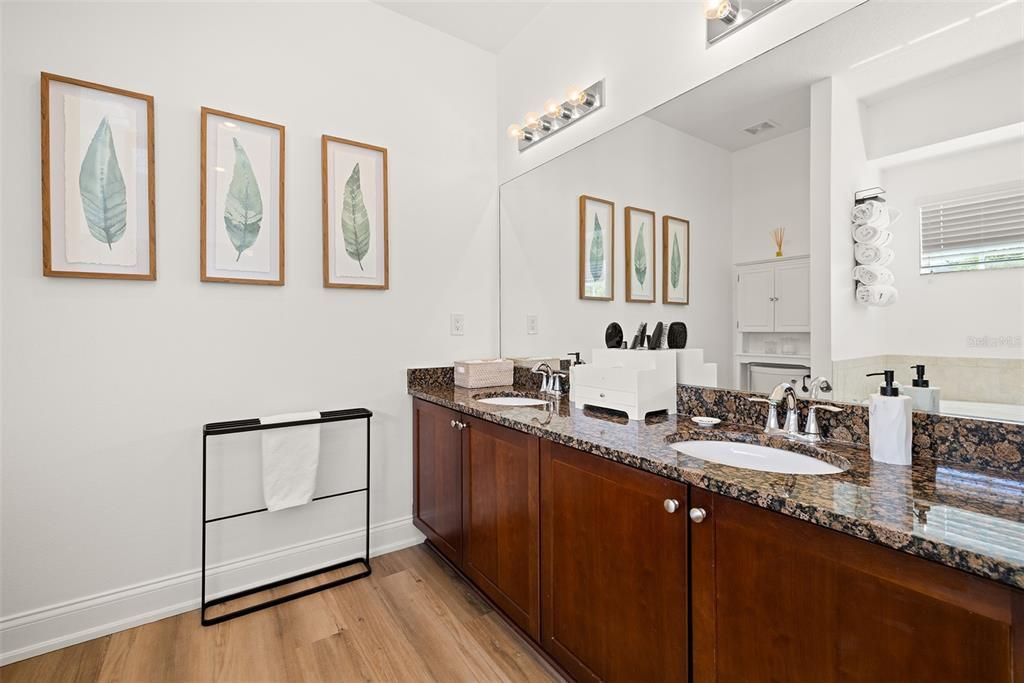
<point>253,425</point>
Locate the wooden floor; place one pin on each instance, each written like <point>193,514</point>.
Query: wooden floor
<point>414,619</point>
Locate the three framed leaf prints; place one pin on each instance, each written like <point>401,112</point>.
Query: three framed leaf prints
<point>99,209</point>
<point>241,202</point>
<point>99,189</point>
<point>355,214</point>
<point>597,254</point>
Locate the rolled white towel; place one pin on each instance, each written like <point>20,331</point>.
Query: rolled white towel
<point>867,234</point>
<point>877,295</point>
<point>870,255</point>
<point>874,213</point>
<point>874,275</point>
<point>866,212</point>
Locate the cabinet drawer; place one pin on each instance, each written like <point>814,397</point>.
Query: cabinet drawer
<point>615,379</point>
<point>605,397</point>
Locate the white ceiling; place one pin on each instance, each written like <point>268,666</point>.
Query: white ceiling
<point>776,85</point>
<point>488,25</point>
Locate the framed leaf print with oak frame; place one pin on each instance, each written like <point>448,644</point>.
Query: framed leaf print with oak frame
<point>99,187</point>
<point>675,259</point>
<point>355,214</point>
<point>597,249</point>
<point>241,205</point>
<point>640,255</point>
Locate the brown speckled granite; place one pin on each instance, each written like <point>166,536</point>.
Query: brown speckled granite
<point>951,513</point>
<point>979,443</point>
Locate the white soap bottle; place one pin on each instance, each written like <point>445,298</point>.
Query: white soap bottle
<point>924,396</point>
<point>890,423</point>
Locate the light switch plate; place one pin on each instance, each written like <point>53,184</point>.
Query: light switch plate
<point>532,326</point>
<point>458,327</point>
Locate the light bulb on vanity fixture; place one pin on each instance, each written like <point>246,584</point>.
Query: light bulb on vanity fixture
<point>556,110</point>
<point>580,98</point>
<point>723,10</point>
<point>534,121</point>
<point>517,132</point>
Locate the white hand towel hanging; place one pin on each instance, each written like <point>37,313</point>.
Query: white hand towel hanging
<point>291,456</point>
<point>870,255</point>
<point>874,275</point>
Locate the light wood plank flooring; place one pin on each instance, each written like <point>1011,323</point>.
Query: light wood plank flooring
<point>414,619</point>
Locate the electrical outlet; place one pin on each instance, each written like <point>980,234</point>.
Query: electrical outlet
<point>458,325</point>
<point>531,324</point>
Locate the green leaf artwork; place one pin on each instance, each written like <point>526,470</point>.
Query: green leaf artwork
<point>640,257</point>
<point>243,208</point>
<point>355,223</point>
<point>101,185</point>
<point>596,252</point>
<point>676,263</point>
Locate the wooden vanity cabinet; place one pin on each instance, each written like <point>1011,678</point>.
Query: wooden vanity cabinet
<point>437,477</point>
<point>613,569</point>
<point>501,519</point>
<point>477,500</point>
<point>778,599</point>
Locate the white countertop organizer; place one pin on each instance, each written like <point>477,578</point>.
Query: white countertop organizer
<point>634,382</point>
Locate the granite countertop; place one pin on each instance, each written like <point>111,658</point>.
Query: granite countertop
<point>963,517</point>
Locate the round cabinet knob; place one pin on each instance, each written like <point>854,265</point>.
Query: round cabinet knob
<point>671,505</point>
<point>698,515</point>
<point>454,423</point>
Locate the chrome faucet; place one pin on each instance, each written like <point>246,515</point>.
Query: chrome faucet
<point>786,392</point>
<point>791,427</point>
<point>551,382</point>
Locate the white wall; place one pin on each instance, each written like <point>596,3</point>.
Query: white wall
<point>853,329</point>
<point>962,100</point>
<point>106,384</point>
<point>647,52</point>
<point>937,313</point>
<point>644,164</point>
<point>771,188</point>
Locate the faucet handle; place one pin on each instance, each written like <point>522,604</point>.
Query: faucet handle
<point>541,368</point>
<point>758,399</point>
<point>826,406</point>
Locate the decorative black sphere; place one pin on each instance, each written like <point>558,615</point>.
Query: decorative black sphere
<point>613,336</point>
<point>677,336</point>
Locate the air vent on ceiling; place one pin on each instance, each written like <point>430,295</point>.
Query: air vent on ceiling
<point>761,127</point>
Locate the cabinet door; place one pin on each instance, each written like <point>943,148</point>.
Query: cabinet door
<point>778,599</point>
<point>792,297</point>
<point>437,472</point>
<point>501,519</point>
<point>613,569</point>
<point>754,295</point>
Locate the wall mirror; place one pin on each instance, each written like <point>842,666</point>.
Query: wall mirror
<point>734,208</point>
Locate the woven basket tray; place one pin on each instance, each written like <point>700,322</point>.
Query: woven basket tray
<point>477,374</point>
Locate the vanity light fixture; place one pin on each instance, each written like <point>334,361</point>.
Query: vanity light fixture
<point>579,102</point>
<point>725,16</point>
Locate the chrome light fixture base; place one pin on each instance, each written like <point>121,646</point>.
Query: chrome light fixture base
<point>569,112</point>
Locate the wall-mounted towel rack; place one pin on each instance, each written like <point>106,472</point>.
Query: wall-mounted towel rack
<point>253,425</point>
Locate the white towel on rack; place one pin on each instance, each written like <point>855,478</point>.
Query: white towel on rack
<point>870,255</point>
<point>874,275</point>
<point>866,234</point>
<point>291,456</point>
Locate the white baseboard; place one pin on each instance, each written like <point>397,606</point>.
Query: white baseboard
<point>50,628</point>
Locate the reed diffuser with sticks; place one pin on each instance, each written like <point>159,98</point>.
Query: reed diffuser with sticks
<point>778,236</point>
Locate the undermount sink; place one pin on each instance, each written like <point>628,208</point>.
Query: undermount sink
<point>752,457</point>
<point>511,401</point>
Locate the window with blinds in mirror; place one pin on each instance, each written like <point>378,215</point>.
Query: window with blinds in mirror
<point>979,229</point>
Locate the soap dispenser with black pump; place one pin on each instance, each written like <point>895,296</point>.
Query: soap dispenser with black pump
<point>890,422</point>
<point>924,396</point>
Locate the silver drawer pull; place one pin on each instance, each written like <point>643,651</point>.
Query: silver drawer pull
<point>698,515</point>
<point>671,505</point>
